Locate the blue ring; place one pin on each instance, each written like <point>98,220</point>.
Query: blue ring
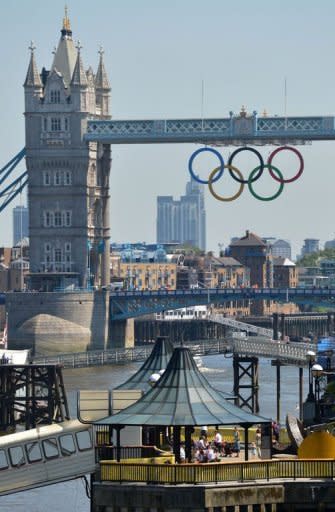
<point>190,163</point>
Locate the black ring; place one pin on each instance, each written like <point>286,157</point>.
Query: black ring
<point>261,167</point>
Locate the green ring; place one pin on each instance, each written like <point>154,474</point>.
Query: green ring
<point>270,198</point>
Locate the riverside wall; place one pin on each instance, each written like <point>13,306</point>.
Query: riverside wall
<point>281,496</point>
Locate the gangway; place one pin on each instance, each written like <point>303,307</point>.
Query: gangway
<point>219,318</point>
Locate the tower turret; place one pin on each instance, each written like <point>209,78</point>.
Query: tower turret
<point>102,87</point>
<point>79,84</point>
<point>32,85</point>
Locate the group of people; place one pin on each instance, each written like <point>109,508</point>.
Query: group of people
<point>211,451</point>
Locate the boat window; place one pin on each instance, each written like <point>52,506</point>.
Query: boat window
<point>84,440</point>
<point>33,451</point>
<point>3,460</point>
<point>17,456</point>
<point>67,446</point>
<point>50,448</point>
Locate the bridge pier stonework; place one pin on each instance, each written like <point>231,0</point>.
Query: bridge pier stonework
<point>122,333</point>
<point>55,323</point>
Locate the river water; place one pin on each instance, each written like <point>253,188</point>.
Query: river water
<point>71,496</point>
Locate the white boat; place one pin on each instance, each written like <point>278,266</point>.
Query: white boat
<point>198,361</point>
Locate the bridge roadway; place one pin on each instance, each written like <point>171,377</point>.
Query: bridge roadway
<point>258,346</point>
<point>130,304</point>
<point>236,130</point>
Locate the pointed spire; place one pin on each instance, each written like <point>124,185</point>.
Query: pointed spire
<point>79,76</point>
<point>65,55</point>
<point>33,78</point>
<point>66,30</point>
<point>101,79</point>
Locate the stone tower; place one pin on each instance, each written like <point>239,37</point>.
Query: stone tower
<point>68,192</point>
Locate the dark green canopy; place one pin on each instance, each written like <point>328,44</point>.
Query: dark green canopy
<point>182,397</point>
<point>158,360</point>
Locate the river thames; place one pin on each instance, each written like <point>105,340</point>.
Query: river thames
<point>71,496</point>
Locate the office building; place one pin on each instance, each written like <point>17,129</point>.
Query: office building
<point>183,221</point>
<point>20,224</point>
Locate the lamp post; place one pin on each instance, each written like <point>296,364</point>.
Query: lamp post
<point>317,372</point>
<point>311,358</point>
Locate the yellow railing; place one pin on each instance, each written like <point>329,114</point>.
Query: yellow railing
<point>124,471</point>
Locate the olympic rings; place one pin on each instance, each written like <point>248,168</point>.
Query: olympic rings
<point>297,175</point>
<point>281,186</point>
<point>217,196</point>
<point>260,167</point>
<point>237,175</point>
<point>190,164</point>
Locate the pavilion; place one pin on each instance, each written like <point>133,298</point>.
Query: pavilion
<point>183,398</point>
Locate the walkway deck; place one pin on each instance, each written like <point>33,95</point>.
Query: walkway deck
<point>288,353</point>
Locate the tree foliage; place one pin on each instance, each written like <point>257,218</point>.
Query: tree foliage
<point>313,259</point>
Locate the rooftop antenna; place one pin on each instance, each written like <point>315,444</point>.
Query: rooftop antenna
<point>202,104</point>
<point>285,102</point>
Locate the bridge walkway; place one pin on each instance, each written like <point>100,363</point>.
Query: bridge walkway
<point>219,318</point>
<point>288,353</point>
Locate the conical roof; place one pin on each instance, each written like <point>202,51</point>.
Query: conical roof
<point>79,77</point>
<point>158,360</point>
<point>182,397</point>
<point>101,78</point>
<point>33,78</point>
<point>65,55</point>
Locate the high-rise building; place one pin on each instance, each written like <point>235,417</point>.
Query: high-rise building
<point>68,192</point>
<point>20,223</point>
<point>183,221</point>
<point>310,245</point>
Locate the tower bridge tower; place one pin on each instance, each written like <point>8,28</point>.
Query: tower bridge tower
<point>68,190</point>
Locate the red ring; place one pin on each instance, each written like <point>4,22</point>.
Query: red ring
<point>296,176</point>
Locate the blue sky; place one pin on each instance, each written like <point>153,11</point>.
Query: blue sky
<point>158,54</point>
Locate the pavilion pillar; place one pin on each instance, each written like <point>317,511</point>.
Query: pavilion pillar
<point>188,443</point>
<point>246,442</point>
<point>176,442</point>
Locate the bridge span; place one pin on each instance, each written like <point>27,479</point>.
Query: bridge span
<point>130,304</point>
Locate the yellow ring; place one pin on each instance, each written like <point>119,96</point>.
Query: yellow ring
<point>217,196</point>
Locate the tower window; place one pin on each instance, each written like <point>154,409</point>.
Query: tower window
<point>57,178</point>
<point>58,255</point>
<point>56,124</point>
<point>66,124</point>
<point>54,96</point>
<point>67,178</point>
<point>67,218</point>
<point>58,219</point>
<point>48,219</point>
<point>46,178</point>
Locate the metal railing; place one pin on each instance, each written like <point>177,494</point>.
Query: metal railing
<point>230,322</point>
<point>290,353</point>
<point>176,474</point>
<point>294,353</point>
<point>128,355</point>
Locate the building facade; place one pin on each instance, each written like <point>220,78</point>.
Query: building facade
<point>20,224</point>
<point>68,192</point>
<point>183,221</point>
<point>310,245</point>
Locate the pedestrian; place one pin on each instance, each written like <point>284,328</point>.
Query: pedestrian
<point>258,442</point>
<point>237,446</point>
<point>218,442</point>
<point>182,454</point>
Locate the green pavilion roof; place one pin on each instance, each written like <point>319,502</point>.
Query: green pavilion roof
<point>182,396</point>
<point>158,360</point>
